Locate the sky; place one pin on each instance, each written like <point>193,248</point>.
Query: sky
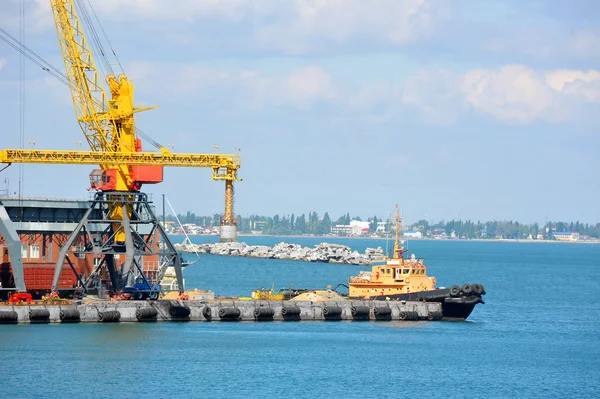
<point>452,109</point>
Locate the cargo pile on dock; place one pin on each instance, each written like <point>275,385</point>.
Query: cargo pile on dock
<point>324,252</point>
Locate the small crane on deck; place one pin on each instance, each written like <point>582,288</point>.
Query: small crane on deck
<point>120,219</point>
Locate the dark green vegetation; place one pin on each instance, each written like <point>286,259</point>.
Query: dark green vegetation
<point>506,229</point>
<point>317,225</point>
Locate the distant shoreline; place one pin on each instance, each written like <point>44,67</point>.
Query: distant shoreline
<point>427,239</point>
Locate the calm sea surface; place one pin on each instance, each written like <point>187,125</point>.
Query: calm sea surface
<point>537,336</point>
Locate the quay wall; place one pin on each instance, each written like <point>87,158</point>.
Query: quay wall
<point>219,310</point>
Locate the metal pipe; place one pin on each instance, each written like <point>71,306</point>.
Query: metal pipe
<point>228,219</point>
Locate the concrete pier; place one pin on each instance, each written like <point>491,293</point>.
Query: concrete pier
<point>219,310</point>
<point>228,233</point>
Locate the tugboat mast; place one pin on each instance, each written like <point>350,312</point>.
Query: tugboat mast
<point>398,250</point>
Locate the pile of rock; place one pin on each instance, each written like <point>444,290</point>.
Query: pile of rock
<point>324,252</point>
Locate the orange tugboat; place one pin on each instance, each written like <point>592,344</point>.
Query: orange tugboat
<point>399,278</point>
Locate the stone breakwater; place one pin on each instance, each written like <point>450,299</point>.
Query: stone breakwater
<point>324,252</point>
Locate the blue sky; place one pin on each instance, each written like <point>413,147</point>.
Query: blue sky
<point>453,109</point>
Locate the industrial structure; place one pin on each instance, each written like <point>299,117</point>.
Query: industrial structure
<point>118,228</point>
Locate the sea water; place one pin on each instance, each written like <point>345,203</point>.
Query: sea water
<point>537,336</point>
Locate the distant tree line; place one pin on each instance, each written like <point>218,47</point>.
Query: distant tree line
<point>317,225</point>
<point>506,229</point>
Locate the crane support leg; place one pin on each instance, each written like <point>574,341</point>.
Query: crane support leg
<point>228,202</point>
<point>98,235</point>
<point>129,248</point>
<point>62,255</point>
<point>109,261</point>
<point>13,243</point>
<point>228,225</point>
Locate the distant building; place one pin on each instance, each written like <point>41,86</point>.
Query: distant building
<point>169,226</point>
<point>258,225</point>
<point>358,228</point>
<point>341,229</point>
<point>566,235</point>
<point>483,233</point>
<point>355,228</point>
<point>439,234</point>
<point>412,234</point>
<point>380,227</point>
<point>540,235</point>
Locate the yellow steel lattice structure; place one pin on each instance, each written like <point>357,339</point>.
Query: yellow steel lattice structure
<point>107,120</point>
<point>224,166</point>
<point>89,98</point>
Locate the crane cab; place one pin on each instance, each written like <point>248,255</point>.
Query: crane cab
<point>103,180</point>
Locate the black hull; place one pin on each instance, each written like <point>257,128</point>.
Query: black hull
<point>455,305</point>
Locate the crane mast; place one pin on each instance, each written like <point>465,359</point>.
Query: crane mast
<point>107,124</point>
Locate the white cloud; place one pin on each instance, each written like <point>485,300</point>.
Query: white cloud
<point>302,27</point>
<point>585,85</point>
<point>396,21</point>
<point>37,16</point>
<point>434,94</point>
<point>176,10</point>
<point>247,89</point>
<point>307,85</point>
<point>584,44</point>
<point>513,94</point>
<point>294,26</point>
<point>541,43</point>
<point>319,26</point>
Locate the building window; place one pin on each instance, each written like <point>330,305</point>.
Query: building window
<point>34,251</point>
<point>24,251</point>
<point>80,253</point>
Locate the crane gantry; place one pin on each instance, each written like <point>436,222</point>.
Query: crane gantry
<point>108,124</point>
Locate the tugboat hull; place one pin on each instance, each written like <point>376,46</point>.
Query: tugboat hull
<point>457,302</point>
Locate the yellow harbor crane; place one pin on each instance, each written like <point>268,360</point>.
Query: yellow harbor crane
<point>108,125</point>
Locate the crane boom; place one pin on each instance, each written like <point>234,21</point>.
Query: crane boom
<point>224,166</point>
<point>86,88</point>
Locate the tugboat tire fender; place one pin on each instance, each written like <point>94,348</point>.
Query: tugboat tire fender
<point>478,289</point>
<point>467,289</point>
<point>454,290</point>
<point>207,313</point>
